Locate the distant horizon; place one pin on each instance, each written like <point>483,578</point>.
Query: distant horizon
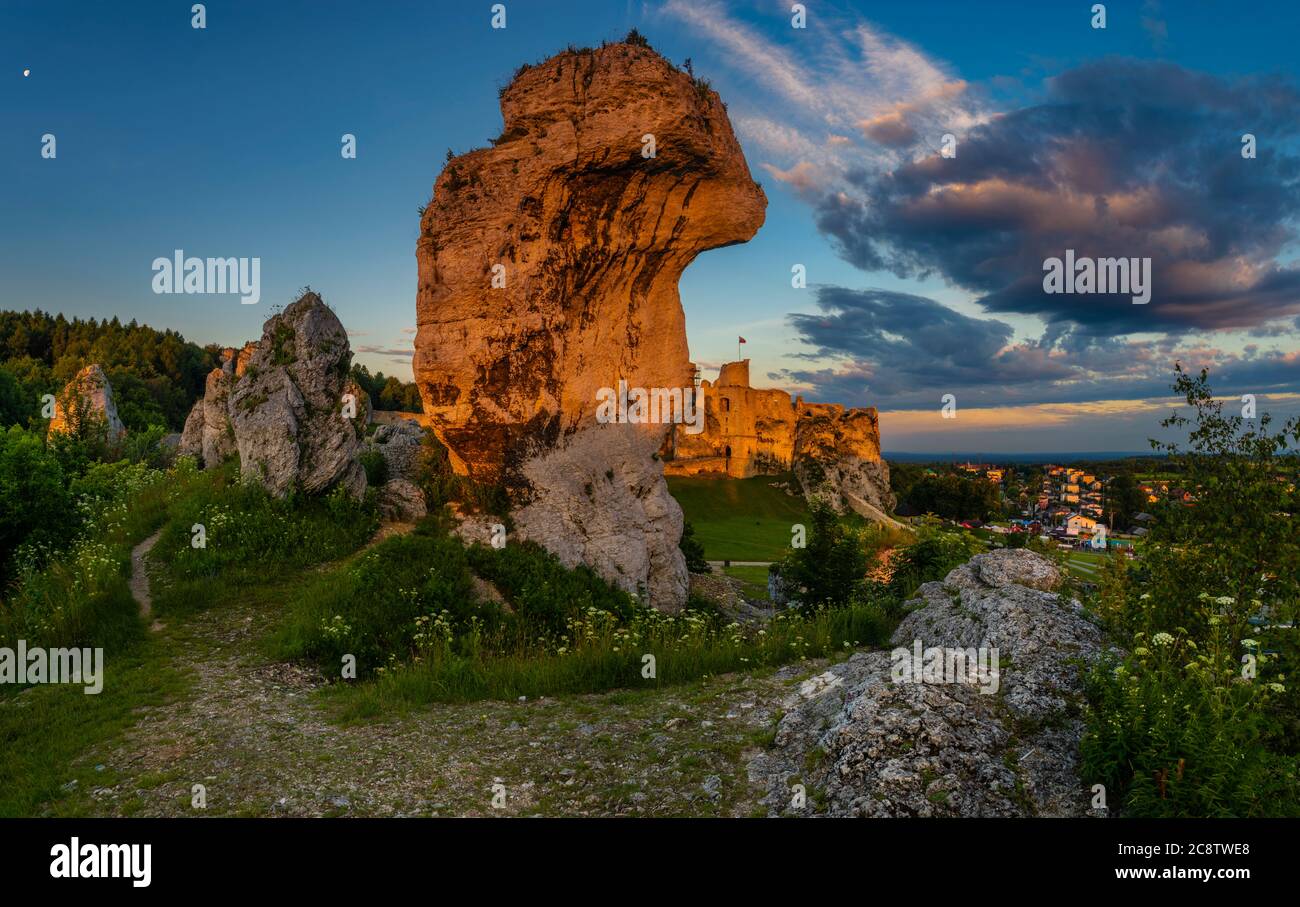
<point>1032,457</point>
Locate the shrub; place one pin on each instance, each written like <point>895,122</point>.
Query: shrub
<point>1183,726</point>
<point>1174,731</point>
<point>81,596</point>
<point>929,559</point>
<point>830,568</point>
<point>382,606</point>
<point>543,593</point>
<point>35,505</point>
<point>693,550</point>
<point>376,467</point>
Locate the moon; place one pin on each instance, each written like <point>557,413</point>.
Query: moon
<point>26,73</point>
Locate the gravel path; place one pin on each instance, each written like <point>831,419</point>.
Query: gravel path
<point>140,577</point>
<point>258,735</point>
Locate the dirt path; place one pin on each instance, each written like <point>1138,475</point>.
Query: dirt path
<point>140,577</point>
<point>259,737</point>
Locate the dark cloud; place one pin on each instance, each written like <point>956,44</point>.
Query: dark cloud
<point>900,351</point>
<point>1124,158</point>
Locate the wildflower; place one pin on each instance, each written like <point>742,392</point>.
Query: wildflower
<point>1162,639</point>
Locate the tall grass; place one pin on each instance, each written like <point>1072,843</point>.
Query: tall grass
<point>248,537</point>
<point>82,596</point>
<point>601,652</point>
<point>407,611</point>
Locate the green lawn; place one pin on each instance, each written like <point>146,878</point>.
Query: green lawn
<point>740,519</point>
<point>754,578</point>
<point>1086,564</point>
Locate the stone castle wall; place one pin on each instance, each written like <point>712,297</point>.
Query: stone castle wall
<point>751,431</point>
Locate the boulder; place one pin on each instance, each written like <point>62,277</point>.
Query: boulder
<point>876,746</point>
<point>548,270</point>
<point>279,403</point>
<point>87,397</point>
<point>287,408</point>
<point>400,497</point>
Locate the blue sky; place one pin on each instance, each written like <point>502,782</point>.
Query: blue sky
<point>225,142</point>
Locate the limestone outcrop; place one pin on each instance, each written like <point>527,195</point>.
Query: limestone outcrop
<point>548,270</point>
<point>280,403</point>
<point>399,443</point>
<point>876,743</point>
<point>833,451</point>
<point>87,397</point>
<point>208,434</point>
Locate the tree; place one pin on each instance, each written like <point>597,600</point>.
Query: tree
<point>1240,537</point>
<point>1123,501</point>
<point>35,507</point>
<point>831,567</point>
<point>694,551</point>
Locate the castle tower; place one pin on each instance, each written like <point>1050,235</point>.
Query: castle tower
<point>734,374</point>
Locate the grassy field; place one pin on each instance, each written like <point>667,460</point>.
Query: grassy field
<point>740,519</point>
<point>754,578</point>
<point>1086,564</point>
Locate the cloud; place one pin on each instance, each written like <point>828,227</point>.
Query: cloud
<point>1124,158</point>
<point>803,176</point>
<point>1155,26</point>
<point>899,351</point>
<point>860,81</point>
<point>385,351</point>
<point>1113,158</point>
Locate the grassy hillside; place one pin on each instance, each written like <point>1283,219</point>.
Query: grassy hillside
<point>740,519</point>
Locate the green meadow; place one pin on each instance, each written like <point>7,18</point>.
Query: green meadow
<point>740,519</point>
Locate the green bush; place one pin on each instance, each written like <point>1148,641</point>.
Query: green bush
<point>377,606</point>
<point>81,596</point>
<point>1174,731</point>
<point>543,593</point>
<point>930,558</point>
<point>601,652</point>
<point>376,467</point>
<point>830,568</point>
<point>36,509</point>
<point>1200,719</point>
<point>693,550</point>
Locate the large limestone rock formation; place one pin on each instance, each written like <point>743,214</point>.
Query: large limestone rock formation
<point>613,172</point>
<point>837,457</point>
<point>280,403</point>
<point>87,397</point>
<point>835,452</point>
<point>875,743</point>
